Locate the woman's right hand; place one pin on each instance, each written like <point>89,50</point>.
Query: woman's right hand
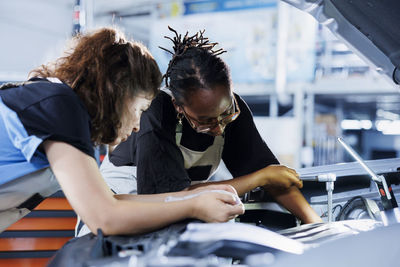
<point>279,176</point>
<point>216,207</point>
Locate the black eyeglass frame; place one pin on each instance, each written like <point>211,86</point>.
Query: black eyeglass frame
<point>202,127</point>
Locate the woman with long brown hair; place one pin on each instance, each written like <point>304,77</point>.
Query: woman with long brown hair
<point>95,94</point>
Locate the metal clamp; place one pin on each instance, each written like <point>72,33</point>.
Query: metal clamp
<point>329,179</point>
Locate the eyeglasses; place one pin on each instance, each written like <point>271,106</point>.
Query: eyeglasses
<point>224,119</point>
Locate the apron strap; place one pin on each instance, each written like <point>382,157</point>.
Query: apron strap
<point>178,133</point>
<point>31,202</point>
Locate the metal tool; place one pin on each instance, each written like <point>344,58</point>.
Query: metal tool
<point>385,191</point>
<point>329,179</point>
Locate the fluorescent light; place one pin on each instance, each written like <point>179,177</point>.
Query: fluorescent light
<point>350,125</point>
<point>381,125</point>
<point>356,124</point>
<point>366,124</point>
<point>388,127</point>
<point>394,128</point>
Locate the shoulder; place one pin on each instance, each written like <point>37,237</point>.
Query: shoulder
<point>41,92</point>
<point>48,109</point>
<point>162,105</point>
<point>55,92</point>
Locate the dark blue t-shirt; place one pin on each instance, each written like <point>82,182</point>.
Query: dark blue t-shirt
<point>36,111</point>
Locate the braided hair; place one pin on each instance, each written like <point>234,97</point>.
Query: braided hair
<point>194,65</point>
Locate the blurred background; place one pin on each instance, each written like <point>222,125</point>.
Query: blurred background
<point>304,86</point>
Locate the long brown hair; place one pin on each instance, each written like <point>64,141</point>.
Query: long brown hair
<point>104,69</point>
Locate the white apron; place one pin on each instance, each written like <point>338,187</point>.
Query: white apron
<point>210,157</point>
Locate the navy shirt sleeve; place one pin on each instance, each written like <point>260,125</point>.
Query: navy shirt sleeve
<point>51,111</point>
<point>245,151</point>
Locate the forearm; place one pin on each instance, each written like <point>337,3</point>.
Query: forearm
<point>242,184</point>
<point>177,195</point>
<point>91,198</point>
<point>293,200</point>
<point>150,197</point>
<point>145,216</point>
<point>270,176</point>
<point>148,216</point>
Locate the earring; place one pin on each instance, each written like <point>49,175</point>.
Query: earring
<point>180,117</point>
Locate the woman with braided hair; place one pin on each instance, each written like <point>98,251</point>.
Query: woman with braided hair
<point>95,94</point>
<point>194,122</point>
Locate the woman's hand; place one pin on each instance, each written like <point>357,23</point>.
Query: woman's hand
<point>212,203</point>
<point>279,176</point>
<point>282,184</point>
<point>214,206</point>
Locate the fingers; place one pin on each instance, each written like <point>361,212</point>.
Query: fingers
<point>218,207</point>
<point>237,210</point>
<point>295,174</point>
<point>280,176</point>
<point>232,211</point>
<point>292,171</point>
<point>231,217</point>
<point>227,198</point>
<point>294,177</point>
<point>300,184</point>
<point>293,180</point>
<point>297,182</point>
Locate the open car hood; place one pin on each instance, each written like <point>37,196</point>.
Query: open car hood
<point>369,27</point>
